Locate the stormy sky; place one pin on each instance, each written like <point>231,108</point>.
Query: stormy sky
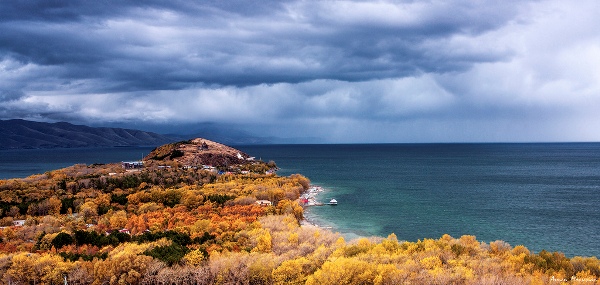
<point>340,71</point>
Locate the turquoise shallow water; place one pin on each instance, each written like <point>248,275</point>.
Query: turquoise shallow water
<point>544,196</point>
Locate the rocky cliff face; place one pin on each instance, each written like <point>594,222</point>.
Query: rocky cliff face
<point>197,152</point>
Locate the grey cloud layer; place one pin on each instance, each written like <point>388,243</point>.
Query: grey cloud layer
<point>330,68</point>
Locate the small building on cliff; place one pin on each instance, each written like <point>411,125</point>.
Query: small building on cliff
<point>132,164</point>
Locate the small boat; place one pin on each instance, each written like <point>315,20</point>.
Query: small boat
<point>333,202</point>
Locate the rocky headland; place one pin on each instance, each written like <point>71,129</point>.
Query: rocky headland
<point>199,151</point>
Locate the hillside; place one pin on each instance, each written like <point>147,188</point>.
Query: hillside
<point>15,134</point>
<point>198,152</point>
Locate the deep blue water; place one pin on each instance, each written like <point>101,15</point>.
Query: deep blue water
<point>22,163</point>
<point>544,196</point>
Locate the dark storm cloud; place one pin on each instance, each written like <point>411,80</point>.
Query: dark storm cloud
<point>172,45</point>
<point>82,10</point>
<point>10,95</point>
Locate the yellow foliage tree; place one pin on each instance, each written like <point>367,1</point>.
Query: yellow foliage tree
<point>54,205</point>
<point>118,220</point>
<point>264,242</point>
<point>21,269</point>
<point>89,211</point>
<point>294,271</point>
<point>50,268</point>
<point>344,271</point>
<point>195,257</point>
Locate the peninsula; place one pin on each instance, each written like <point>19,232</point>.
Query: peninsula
<point>200,212</point>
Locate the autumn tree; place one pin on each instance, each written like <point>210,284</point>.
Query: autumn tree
<point>89,211</point>
<point>118,220</point>
<point>54,205</point>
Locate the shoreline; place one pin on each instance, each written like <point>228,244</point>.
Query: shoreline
<point>308,200</point>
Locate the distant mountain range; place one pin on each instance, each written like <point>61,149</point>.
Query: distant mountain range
<point>20,134</point>
<point>16,134</point>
